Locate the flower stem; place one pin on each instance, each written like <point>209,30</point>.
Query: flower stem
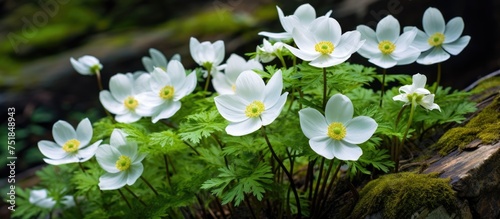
<point>398,149</point>
<point>99,83</point>
<point>382,90</point>
<point>165,159</point>
<point>208,80</point>
<point>124,198</point>
<point>81,167</point>
<point>330,186</point>
<point>280,57</point>
<point>324,87</point>
<point>149,185</point>
<point>438,79</point>
<point>133,194</point>
<point>290,177</point>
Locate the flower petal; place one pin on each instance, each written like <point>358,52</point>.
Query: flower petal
<point>111,104</point>
<point>134,173</point>
<point>62,132</point>
<point>272,91</point>
<point>51,150</point>
<point>121,86</point>
<point>322,146</point>
<point>401,97</point>
<point>454,29</point>
<point>304,39</point>
<point>370,47</point>
<point>388,29</point>
<point>231,107</point>
<point>418,81</point>
<point>250,86</point>
<point>118,137</point>
<point>360,129</point>
<point>338,109</point>
<point>432,56</point>
<point>420,42</point>
<point>111,181</point>
<point>176,73</point>
<point>405,40</point>
<point>84,132</point>
<point>345,151</point>
<point>457,46</point>
<point>166,110</point>
<point>301,54</point>
<point>222,85</point>
<point>65,160</point>
<point>349,43</point>
<point>187,87</point>
<point>433,21</point>
<point>107,156</point>
<point>86,153</point>
<point>383,61</point>
<point>407,56</point>
<point>244,127</point>
<point>129,117</point>
<point>194,45</point>
<point>312,123</point>
<point>428,102</point>
<point>270,114</point>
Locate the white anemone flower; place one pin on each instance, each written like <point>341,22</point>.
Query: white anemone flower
<point>167,89</point>
<point>235,65</point>
<point>304,15</point>
<point>121,99</point>
<point>268,52</point>
<point>254,105</point>
<point>416,91</point>
<point>86,65</point>
<point>385,47</point>
<point>206,54</point>
<point>157,59</point>
<point>337,134</point>
<point>323,44</point>
<point>121,161</point>
<point>41,199</point>
<point>439,39</point>
<point>70,146</point>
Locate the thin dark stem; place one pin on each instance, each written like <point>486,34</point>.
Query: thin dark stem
<point>202,206</point>
<point>208,80</point>
<point>219,206</point>
<point>280,57</point>
<point>247,202</point>
<point>290,177</point>
<point>135,196</point>
<point>149,185</point>
<point>310,178</point>
<point>382,90</point>
<point>438,79</point>
<point>398,149</point>
<point>124,198</point>
<point>165,159</point>
<point>330,186</point>
<point>325,88</point>
<point>99,83</point>
<point>318,182</point>
<point>82,168</point>
<point>221,148</point>
<point>192,148</point>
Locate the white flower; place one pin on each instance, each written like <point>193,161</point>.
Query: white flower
<point>416,91</point>
<point>41,199</point>
<point>385,47</point>
<point>235,65</point>
<point>439,39</point>
<point>323,43</point>
<point>70,146</point>
<point>206,54</point>
<point>121,161</point>
<point>157,60</point>
<point>304,15</point>
<point>86,65</point>
<point>268,52</point>
<point>167,88</point>
<point>121,99</point>
<point>254,105</point>
<point>336,134</point>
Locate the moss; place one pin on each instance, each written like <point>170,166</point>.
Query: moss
<point>487,87</point>
<point>402,194</point>
<point>484,126</point>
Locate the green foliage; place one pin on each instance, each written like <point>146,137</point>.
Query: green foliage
<point>233,183</point>
<point>201,125</point>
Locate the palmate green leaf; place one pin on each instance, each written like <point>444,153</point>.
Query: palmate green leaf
<point>87,181</point>
<point>379,159</point>
<point>234,182</point>
<point>165,142</point>
<point>201,125</point>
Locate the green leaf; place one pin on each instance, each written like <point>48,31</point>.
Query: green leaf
<point>201,125</point>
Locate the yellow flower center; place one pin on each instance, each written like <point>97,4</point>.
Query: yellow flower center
<point>436,39</point>
<point>324,47</point>
<point>254,109</point>
<point>123,163</point>
<point>71,145</point>
<point>336,130</point>
<point>386,47</point>
<point>167,93</point>
<point>233,87</point>
<point>130,102</point>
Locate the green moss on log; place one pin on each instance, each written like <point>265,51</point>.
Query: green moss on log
<point>402,194</point>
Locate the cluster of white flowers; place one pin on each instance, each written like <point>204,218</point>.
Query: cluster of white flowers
<point>244,99</point>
